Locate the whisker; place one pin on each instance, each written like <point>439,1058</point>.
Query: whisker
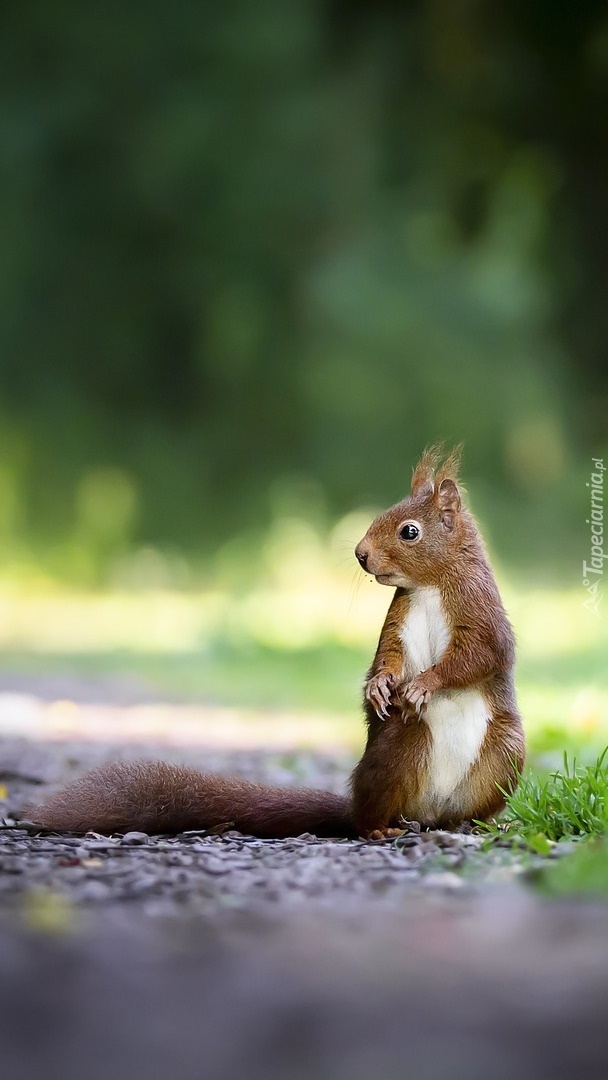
<point>354,588</point>
<point>345,560</point>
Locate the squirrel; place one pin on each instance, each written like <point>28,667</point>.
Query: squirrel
<point>444,737</point>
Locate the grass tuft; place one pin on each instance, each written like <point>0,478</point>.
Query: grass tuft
<point>573,802</point>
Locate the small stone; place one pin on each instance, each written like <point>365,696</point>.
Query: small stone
<point>94,890</point>
<point>14,866</point>
<point>413,854</point>
<point>135,838</point>
<point>410,826</point>
<point>563,847</point>
<point>446,839</point>
<point>446,880</point>
<point>407,841</point>
<point>216,866</point>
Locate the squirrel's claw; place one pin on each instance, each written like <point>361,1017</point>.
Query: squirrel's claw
<point>417,695</point>
<point>378,693</point>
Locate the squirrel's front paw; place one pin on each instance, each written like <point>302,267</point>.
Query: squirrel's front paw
<point>378,692</point>
<point>419,691</point>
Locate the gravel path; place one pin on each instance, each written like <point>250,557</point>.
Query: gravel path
<point>211,956</point>
<point>208,874</point>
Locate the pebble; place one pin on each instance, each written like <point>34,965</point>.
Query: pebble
<point>94,890</point>
<point>216,866</point>
<point>445,880</point>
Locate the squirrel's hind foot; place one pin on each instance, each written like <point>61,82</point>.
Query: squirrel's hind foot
<point>384,834</point>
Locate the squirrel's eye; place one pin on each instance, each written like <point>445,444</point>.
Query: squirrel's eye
<point>409,531</point>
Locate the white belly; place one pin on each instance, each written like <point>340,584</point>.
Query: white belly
<point>457,718</point>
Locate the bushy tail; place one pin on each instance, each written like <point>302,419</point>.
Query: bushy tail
<point>155,797</point>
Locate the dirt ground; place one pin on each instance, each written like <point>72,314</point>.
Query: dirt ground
<point>207,956</point>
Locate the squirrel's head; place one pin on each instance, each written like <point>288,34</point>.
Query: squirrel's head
<point>414,542</point>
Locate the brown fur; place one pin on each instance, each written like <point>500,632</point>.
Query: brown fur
<point>388,784</point>
<point>156,797</point>
<point>450,556</point>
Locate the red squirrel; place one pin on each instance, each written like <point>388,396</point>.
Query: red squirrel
<point>444,735</point>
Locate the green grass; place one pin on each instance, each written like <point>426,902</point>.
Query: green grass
<point>563,813</point>
<point>583,873</point>
<point>572,802</point>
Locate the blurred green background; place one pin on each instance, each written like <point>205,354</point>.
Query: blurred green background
<point>254,257</point>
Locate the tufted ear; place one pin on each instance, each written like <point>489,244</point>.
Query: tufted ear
<point>448,501</point>
<point>424,471</point>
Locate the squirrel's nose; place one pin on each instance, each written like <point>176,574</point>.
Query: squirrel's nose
<point>362,556</point>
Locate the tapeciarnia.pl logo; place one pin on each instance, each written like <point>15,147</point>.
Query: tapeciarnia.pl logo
<point>593,571</point>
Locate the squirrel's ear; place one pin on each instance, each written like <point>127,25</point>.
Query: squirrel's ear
<point>448,501</point>
<point>424,471</point>
<point>423,487</point>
